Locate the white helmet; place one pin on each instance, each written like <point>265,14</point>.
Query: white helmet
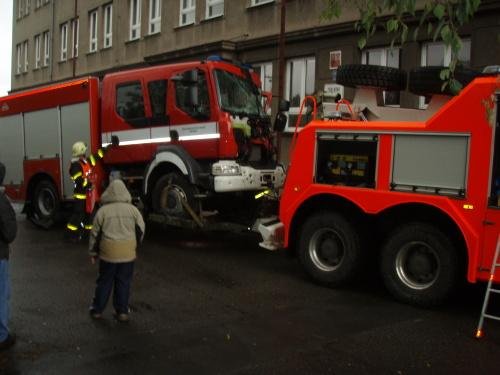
<point>79,149</point>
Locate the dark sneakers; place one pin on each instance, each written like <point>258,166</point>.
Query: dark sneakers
<point>94,314</point>
<point>7,343</point>
<point>122,317</point>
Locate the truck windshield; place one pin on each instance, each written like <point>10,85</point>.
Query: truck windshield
<point>237,95</point>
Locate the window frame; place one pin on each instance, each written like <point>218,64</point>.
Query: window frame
<point>63,30</point>
<point>108,27</point>
<point>446,60</point>
<point>19,57</point>
<point>303,84</point>
<point>384,60</point>
<point>135,27</point>
<point>26,61</point>
<point>256,3</point>
<point>209,5</point>
<point>154,25</point>
<point>38,50</point>
<point>46,48</point>
<point>188,10</point>
<point>75,35</point>
<point>93,30</point>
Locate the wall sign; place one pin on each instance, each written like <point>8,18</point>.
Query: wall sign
<point>335,59</point>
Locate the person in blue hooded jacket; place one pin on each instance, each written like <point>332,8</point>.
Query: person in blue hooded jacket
<point>8,231</point>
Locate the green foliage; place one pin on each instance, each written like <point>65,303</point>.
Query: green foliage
<point>442,20</point>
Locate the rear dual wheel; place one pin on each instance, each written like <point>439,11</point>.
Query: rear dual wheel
<point>419,265</point>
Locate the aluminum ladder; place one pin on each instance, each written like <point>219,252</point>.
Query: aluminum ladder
<point>489,289</point>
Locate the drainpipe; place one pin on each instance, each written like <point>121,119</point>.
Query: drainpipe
<point>51,47</point>
<point>74,34</point>
<point>281,68</point>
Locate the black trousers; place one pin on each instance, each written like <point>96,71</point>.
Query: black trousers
<point>80,220</point>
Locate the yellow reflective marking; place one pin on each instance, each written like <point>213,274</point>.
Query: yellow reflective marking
<point>92,160</point>
<point>76,175</point>
<point>79,196</point>
<point>85,182</point>
<point>260,195</point>
<point>100,152</point>
<point>88,227</point>
<point>71,227</point>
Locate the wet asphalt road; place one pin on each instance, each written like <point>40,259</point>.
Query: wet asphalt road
<point>218,304</point>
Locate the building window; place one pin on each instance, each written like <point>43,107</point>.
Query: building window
<point>64,41</point>
<point>265,71</point>
<point>25,48</point>
<point>46,48</point>
<point>438,54</point>
<point>384,57</point>
<point>38,51</point>
<point>93,31</point>
<point>41,3</point>
<point>215,8</point>
<point>108,25</point>
<point>75,34</point>
<point>188,11</point>
<point>135,19</point>
<point>20,9</point>
<point>19,56</point>
<point>300,82</point>
<point>154,16</point>
<point>260,2</point>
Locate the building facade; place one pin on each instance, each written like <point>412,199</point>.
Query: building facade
<point>57,40</point>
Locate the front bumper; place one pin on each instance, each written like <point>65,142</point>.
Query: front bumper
<point>250,179</point>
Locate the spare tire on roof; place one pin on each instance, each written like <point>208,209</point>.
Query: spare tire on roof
<point>382,77</point>
<point>426,80</point>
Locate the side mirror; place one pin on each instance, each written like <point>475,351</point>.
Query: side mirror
<point>280,122</point>
<point>284,105</point>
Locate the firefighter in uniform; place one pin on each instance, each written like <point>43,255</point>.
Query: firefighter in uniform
<point>81,173</point>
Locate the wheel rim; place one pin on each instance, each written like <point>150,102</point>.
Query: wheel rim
<point>171,199</point>
<point>418,265</point>
<point>46,202</point>
<point>326,249</point>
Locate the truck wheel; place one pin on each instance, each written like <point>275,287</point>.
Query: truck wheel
<point>329,249</point>
<point>426,81</point>
<point>355,75</point>
<point>45,203</point>
<point>419,265</point>
<point>169,192</point>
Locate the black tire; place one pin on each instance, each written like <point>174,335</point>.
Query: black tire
<point>330,249</point>
<point>45,204</point>
<point>168,192</point>
<point>426,80</point>
<point>382,77</point>
<point>420,265</point>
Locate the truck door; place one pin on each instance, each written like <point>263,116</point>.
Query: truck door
<point>492,220</point>
<point>192,116</point>
<point>138,117</point>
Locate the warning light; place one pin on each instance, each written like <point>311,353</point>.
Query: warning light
<point>479,334</point>
<point>468,207</point>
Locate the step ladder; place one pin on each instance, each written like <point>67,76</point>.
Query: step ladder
<point>489,289</point>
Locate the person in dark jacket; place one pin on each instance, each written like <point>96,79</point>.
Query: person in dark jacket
<point>8,231</point>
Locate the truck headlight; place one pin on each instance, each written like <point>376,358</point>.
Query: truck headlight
<point>221,169</point>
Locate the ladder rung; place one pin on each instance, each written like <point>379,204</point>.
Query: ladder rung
<point>492,317</point>
<point>495,290</point>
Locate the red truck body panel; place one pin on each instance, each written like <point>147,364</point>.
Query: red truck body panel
<point>465,114</point>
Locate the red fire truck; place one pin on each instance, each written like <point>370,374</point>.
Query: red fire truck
<point>413,192</point>
<point>194,141</point>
